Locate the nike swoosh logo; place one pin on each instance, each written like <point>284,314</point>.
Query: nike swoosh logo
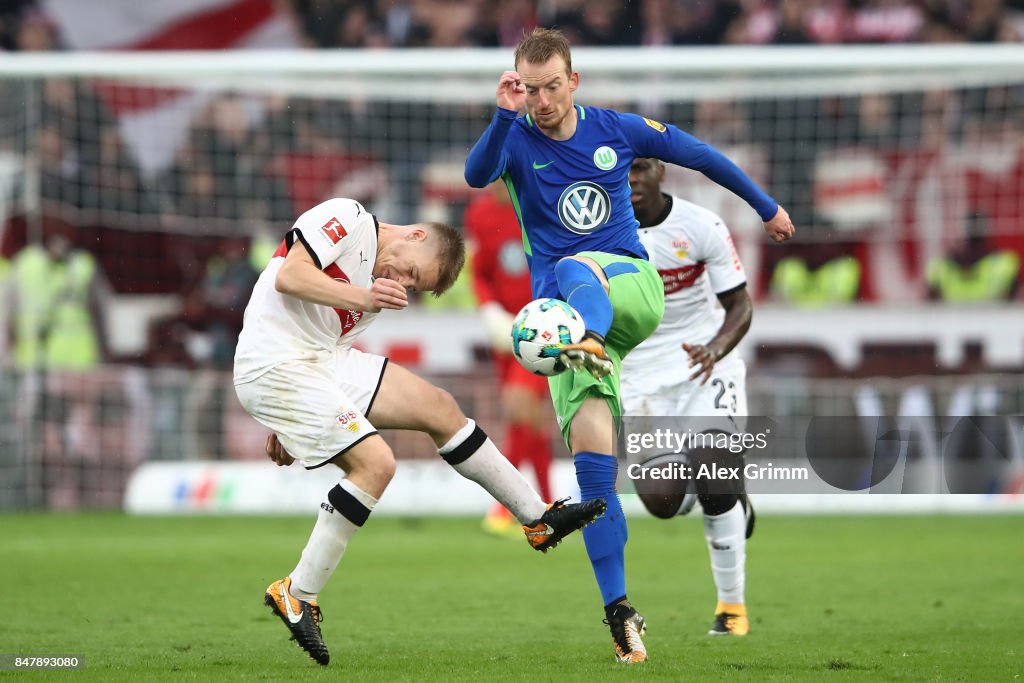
<point>546,531</point>
<point>292,616</point>
<point>537,167</point>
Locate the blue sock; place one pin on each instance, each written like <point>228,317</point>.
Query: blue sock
<point>606,538</point>
<point>583,291</point>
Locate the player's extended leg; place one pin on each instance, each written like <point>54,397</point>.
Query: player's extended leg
<point>405,401</point>
<point>587,405</point>
<point>591,437</point>
<point>369,466</point>
<point>726,529</point>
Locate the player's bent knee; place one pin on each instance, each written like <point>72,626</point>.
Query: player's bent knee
<point>721,472</point>
<point>370,461</point>
<point>670,492</point>
<point>662,506</point>
<point>445,415</point>
<point>593,265</point>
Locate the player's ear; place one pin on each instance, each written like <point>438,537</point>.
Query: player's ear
<point>416,234</point>
<point>574,81</point>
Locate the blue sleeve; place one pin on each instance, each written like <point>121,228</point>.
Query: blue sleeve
<point>488,160</point>
<point>668,143</point>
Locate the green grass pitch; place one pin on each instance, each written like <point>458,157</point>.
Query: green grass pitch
<point>831,599</point>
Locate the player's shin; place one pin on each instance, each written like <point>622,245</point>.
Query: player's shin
<point>343,513</point>
<point>725,531</point>
<point>605,539</point>
<point>476,458</point>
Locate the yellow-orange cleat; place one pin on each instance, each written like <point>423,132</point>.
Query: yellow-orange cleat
<point>588,354</point>
<point>730,620</point>
<point>301,617</point>
<point>560,520</point>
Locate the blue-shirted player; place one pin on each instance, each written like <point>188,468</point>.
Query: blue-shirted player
<point>566,168</point>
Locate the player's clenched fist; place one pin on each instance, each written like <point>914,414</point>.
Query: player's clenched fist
<point>385,293</point>
<point>511,91</point>
<point>780,228</point>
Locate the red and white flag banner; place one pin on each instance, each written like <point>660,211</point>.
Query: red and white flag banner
<point>155,122</point>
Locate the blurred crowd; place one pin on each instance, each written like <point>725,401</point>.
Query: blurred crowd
<point>200,222</point>
<point>500,23</point>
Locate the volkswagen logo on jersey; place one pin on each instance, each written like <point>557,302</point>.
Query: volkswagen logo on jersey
<point>584,207</point>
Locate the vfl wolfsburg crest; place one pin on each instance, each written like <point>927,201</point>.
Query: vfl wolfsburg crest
<point>605,158</point>
<point>584,207</point>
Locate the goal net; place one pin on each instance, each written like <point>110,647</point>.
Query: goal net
<point>179,172</point>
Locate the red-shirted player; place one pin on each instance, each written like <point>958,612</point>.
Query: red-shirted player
<point>501,281</point>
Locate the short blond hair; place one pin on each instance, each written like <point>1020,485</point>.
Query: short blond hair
<point>451,255</point>
<point>541,44</point>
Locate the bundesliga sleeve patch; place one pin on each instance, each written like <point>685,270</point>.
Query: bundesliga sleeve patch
<point>334,230</point>
<point>660,127</point>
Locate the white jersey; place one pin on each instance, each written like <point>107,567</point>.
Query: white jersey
<point>697,260</point>
<point>342,238</point>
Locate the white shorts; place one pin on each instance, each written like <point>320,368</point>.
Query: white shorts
<point>317,410</point>
<point>723,396</point>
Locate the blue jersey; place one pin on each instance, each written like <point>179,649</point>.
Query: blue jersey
<point>573,195</point>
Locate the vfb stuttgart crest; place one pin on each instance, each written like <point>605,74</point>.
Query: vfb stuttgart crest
<point>584,207</point>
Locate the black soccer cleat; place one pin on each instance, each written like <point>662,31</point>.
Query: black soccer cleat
<point>560,520</point>
<point>627,627</point>
<point>301,617</point>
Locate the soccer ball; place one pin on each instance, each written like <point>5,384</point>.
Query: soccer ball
<point>540,332</point>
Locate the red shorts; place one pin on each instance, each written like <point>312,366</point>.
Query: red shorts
<point>511,373</point>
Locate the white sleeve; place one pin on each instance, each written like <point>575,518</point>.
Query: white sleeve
<point>329,228</point>
<point>718,252</point>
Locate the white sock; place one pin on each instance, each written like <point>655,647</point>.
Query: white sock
<point>475,457</point>
<point>727,546</point>
<point>341,515</point>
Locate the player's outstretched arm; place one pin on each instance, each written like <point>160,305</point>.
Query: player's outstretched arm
<point>486,160</point>
<point>669,143</point>
<point>300,277</point>
<point>739,310</point>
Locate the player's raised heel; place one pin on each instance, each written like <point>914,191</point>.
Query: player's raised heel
<point>730,620</point>
<point>627,627</point>
<point>302,619</point>
<point>560,520</point>
<point>589,354</point>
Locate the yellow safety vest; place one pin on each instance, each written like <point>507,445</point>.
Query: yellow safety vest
<point>990,278</point>
<point>53,325</point>
<point>838,281</point>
